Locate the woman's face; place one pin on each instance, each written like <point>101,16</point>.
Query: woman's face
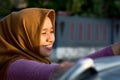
<point>47,38</point>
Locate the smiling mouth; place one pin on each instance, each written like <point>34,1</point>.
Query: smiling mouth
<point>49,48</point>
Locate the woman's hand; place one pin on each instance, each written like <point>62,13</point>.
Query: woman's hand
<point>116,48</point>
<point>62,68</point>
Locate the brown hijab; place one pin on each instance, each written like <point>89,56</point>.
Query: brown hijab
<point>19,35</point>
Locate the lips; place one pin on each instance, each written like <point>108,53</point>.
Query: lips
<point>49,48</point>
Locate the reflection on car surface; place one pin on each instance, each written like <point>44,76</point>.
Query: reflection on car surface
<point>106,68</point>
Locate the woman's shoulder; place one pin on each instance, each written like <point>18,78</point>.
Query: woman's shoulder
<point>29,63</point>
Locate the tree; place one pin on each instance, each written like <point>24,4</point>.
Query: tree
<point>88,8</point>
<point>5,7</point>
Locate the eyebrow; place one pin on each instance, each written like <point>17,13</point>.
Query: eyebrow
<point>46,28</point>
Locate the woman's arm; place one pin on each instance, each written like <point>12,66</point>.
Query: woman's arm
<point>30,70</point>
<point>107,51</point>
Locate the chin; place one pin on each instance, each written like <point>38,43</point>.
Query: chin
<point>48,54</point>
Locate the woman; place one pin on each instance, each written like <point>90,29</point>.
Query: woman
<point>26,40</point>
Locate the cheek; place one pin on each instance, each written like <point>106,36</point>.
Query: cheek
<point>53,38</point>
<point>42,40</point>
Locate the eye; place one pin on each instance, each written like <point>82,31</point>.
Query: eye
<point>52,31</point>
<point>43,32</point>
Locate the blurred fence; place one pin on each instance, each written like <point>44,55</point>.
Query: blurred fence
<point>77,31</point>
<point>78,36</point>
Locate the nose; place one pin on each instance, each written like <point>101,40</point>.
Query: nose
<point>50,37</point>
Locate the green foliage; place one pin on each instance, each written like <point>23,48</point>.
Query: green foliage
<point>88,8</point>
<point>5,7</point>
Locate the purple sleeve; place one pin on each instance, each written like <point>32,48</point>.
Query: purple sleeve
<point>101,53</point>
<point>30,70</point>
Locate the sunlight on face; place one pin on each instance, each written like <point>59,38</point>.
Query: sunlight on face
<point>47,38</point>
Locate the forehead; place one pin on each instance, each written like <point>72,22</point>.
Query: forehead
<point>47,23</point>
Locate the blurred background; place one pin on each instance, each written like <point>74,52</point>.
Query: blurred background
<point>82,26</point>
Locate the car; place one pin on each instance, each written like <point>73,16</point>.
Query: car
<point>104,68</point>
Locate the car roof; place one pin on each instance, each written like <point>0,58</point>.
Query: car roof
<point>108,68</point>
<point>104,68</point>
